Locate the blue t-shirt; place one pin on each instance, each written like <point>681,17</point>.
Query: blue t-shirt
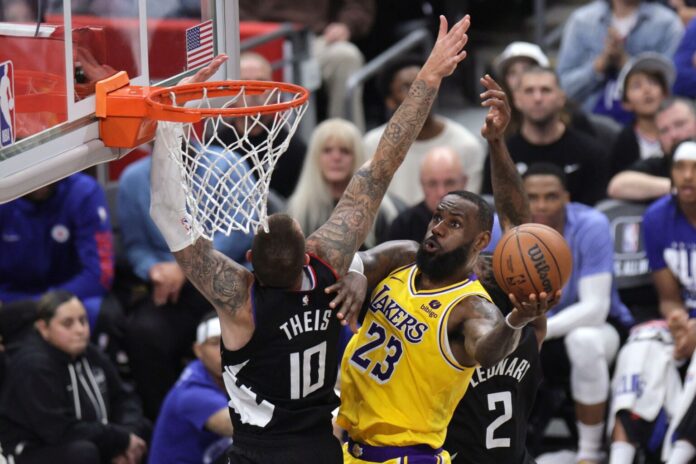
<point>180,435</point>
<point>670,242</point>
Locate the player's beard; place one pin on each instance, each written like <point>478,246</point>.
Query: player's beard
<point>439,267</point>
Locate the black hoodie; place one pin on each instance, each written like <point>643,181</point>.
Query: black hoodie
<point>48,398</point>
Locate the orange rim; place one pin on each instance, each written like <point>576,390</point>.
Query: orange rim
<point>161,106</point>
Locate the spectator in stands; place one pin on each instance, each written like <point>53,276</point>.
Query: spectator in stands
<point>645,81</point>
<point>336,23</point>
<point>544,137</point>
<point>18,11</point>
<point>686,9</point>
<point>437,131</point>
<point>58,237</point>
<point>62,400</point>
<point>685,62</point>
<point>441,171</point>
<point>162,325</point>
<point>509,67</point>
<point>335,153</point>
<point>253,66</point>
<point>194,425</point>
<point>648,179</point>
<point>582,337</point>
<point>598,40</point>
<point>670,241</point>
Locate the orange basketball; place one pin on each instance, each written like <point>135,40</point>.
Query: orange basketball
<point>532,258</point>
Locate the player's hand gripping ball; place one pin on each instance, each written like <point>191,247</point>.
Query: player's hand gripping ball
<point>532,258</point>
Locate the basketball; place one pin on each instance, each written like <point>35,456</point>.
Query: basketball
<point>532,258</point>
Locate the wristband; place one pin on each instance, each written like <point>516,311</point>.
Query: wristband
<point>513,327</point>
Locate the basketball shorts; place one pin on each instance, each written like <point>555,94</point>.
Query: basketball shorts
<point>358,453</point>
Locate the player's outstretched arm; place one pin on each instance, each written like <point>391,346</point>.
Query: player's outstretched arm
<point>510,198</point>
<point>222,281</point>
<point>488,336</point>
<point>338,239</point>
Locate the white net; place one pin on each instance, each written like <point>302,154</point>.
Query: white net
<point>226,163</point>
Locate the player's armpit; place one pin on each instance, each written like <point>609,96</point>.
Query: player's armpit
<point>221,280</point>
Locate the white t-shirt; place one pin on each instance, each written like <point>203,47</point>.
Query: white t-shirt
<point>406,181</point>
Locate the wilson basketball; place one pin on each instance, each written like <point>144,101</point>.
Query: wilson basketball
<point>532,258</point>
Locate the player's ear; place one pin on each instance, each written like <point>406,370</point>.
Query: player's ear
<point>306,259</point>
<point>197,350</point>
<point>482,240</point>
<point>248,255</point>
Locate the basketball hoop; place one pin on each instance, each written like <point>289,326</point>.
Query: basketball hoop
<point>226,182</point>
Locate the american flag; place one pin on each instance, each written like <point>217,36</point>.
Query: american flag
<point>199,45</point>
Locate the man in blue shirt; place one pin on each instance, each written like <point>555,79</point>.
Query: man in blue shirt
<point>582,337</point>
<point>57,237</point>
<point>161,328</point>
<point>194,425</point>
<point>670,242</point>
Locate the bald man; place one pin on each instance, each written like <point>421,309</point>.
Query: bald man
<point>441,171</point>
<point>255,67</point>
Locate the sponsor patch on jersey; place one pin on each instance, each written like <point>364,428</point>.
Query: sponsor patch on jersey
<point>60,233</point>
<point>435,304</point>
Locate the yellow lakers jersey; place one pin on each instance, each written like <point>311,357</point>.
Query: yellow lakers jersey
<point>400,381</point>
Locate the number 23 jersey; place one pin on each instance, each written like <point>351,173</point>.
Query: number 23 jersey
<point>400,381</point>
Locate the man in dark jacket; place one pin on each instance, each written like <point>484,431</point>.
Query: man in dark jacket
<point>62,400</point>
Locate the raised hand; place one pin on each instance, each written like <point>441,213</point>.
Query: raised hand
<point>448,51</point>
<point>499,111</point>
<point>206,72</point>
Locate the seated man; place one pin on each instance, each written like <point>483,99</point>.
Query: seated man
<point>62,400</point>
<point>648,179</point>
<point>437,131</point>
<point>162,326</point>
<point>57,237</point>
<point>194,425</point>
<point>670,242</point>
<point>582,335</point>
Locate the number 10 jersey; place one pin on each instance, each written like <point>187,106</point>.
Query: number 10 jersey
<point>400,381</point>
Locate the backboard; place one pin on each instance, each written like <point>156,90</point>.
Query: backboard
<point>48,70</point>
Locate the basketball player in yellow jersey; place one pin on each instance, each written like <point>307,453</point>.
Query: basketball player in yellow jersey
<point>430,323</point>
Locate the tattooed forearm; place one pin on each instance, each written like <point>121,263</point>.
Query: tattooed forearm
<point>222,281</point>
<point>338,239</point>
<point>384,258</point>
<point>510,198</point>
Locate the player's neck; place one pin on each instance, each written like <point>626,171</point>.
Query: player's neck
<point>426,282</point>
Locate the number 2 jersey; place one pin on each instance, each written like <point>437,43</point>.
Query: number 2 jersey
<point>281,383</point>
<point>400,381</point>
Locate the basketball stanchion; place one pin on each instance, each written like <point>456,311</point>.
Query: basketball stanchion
<point>226,182</point>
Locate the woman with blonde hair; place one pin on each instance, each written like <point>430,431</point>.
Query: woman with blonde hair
<point>335,152</point>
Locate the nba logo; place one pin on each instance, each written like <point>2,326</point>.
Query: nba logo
<point>7,104</point>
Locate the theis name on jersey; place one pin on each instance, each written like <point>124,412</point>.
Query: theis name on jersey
<point>512,367</point>
<point>307,321</point>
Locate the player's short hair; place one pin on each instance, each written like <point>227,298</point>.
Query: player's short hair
<point>485,212</point>
<point>49,303</point>
<point>279,254</point>
<point>547,169</point>
<point>386,76</point>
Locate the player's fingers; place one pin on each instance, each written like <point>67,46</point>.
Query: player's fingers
<point>513,300</point>
<point>337,301</point>
<point>443,27</point>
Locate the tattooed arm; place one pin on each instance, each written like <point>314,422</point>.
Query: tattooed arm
<point>509,195</point>
<point>338,239</point>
